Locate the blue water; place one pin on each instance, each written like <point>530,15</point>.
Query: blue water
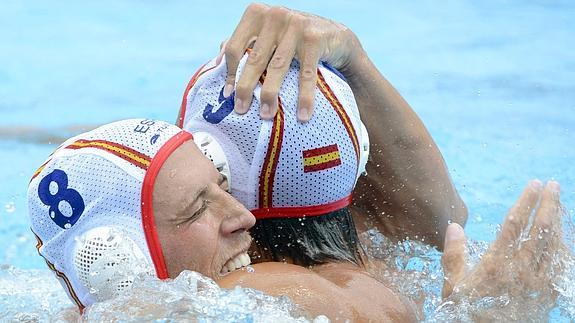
<point>494,82</point>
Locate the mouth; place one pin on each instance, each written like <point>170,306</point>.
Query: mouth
<point>239,261</point>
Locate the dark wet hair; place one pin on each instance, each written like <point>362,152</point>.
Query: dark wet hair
<point>309,241</point>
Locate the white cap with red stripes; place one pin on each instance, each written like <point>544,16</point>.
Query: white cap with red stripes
<point>90,206</point>
<point>281,167</point>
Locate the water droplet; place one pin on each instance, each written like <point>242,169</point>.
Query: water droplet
<point>10,207</point>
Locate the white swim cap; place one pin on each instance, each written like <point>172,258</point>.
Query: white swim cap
<point>90,206</point>
<point>281,167</point>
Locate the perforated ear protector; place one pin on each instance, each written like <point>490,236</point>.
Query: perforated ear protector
<point>210,147</point>
<point>107,260</point>
<point>364,151</point>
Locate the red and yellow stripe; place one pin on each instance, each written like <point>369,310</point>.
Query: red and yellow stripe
<point>60,274</point>
<point>135,157</point>
<point>268,173</point>
<point>195,77</point>
<point>40,170</point>
<point>338,107</point>
<point>321,158</point>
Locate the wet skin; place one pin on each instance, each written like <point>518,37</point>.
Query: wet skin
<point>340,291</point>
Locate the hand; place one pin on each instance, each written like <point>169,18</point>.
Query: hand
<point>520,265</point>
<point>280,34</point>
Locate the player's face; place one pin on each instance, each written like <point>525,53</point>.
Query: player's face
<point>201,227</point>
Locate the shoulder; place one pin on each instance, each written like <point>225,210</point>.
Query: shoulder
<point>270,275</point>
<point>311,292</point>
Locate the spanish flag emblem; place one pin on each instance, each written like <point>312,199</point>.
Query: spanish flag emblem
<point>321,158</point>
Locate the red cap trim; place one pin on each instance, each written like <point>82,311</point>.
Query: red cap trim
<point>148,220</point>
<point>183,106</point>
<point>300,212</point>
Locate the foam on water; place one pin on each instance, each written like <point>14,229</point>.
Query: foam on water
<point>193,296</point>
<point>36,296</point>
<point>30,295</point>
<point>414,269</point>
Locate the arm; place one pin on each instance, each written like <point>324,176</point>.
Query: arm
<point>407,191</point>
<point>410,192</point>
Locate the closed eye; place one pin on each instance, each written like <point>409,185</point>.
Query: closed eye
<point>199,212</point>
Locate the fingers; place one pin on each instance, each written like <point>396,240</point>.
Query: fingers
<point>518,216</point>
<point>309,57</point>
<point>548,212</point>
<point>248,28</point>
<point>453,258</point>
<point>277,69</point>
<point>259,58</point>
<point>221,53</point>
<point>545,233</point>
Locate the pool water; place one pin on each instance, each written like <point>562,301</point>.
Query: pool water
<point>494,82</point>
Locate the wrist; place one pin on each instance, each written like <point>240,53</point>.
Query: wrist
<point>356,57</point>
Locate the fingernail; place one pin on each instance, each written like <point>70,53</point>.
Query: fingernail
<point>554,186</point>
<point>238,105</point>
<point>536,185</point>
<point>454,232</point>
<point>303,114</point>
<point>265,111</point>
<point>228,90</point>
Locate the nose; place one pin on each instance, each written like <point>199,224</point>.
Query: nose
<point>236,217</point>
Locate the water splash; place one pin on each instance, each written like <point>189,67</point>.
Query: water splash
<point>414,269</point>
<point>10,207</point>
<point>36,296</point>
<point>411,268</point>
<point>30,295</point>
<point>192,296</point>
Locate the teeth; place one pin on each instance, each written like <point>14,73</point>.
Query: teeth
<point>236,263</point>
<point>245,259</point>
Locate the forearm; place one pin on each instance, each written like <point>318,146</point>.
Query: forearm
<point>407,175</point>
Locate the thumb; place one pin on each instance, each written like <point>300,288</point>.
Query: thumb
<point>453,259</point>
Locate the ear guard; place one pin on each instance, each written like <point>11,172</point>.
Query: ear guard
<point>107,261</point>
<point>210,147</point>
<point>363,152</point>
